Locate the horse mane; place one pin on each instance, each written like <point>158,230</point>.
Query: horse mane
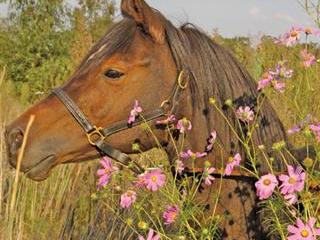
<point>213,72</point>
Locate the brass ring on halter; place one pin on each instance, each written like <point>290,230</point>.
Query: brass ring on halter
<point>165,102</point>
<point>180,81</point>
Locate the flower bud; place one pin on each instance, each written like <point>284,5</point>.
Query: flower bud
<point>181,238</point>
<point>137,206</point>
<point>143,225</point>
<point>279,146</point>
<point>228,103</point>
<point>308,133</point>
<point>131,165</point>
<point>205,231</point>
<point>129,221</point>
<point>135,147</point>
<point>207,164</point>
<point>212,101</point>
<point>118,188</point>
<point>308,162</point>
<point>94,196</point>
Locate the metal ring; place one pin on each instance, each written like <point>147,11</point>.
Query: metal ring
<point>95,136</point>
<point>180,81</point>
<point>164,103</point>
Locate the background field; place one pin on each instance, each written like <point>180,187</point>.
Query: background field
<point>40,46</point>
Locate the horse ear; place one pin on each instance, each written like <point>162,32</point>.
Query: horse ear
<point>145,17</point>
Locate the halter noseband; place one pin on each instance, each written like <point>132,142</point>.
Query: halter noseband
<point>97,135</point>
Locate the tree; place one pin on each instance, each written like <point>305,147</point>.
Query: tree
<point>39,39</point>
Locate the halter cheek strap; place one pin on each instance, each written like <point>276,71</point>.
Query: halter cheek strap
<point>97,135</point>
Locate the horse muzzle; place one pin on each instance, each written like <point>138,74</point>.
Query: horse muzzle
<point>37,170</point>
<point>13,139</point>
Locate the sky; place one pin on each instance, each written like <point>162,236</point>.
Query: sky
<point>232,17</point>
<point>235,17</point>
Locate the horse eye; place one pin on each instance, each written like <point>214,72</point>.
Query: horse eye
<point>113,74</point>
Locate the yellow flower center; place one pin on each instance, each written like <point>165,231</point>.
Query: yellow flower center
<point>230,159</point>
<point>308,30</point>
<point>129,194</point>
<point>173,215</point>
<point>107,171</point>
<point>294,34</point>
<point>304,233</point>
<point>265,75</point>
<point>292,180</point>
<point>267,182</point>
<point>154,179</point>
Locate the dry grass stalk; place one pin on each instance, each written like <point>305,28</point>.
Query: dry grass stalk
<point>16,179</point>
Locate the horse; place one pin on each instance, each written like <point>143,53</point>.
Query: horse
<point>169,70</point>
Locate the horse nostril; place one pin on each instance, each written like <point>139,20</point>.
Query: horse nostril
<point>14,140</point>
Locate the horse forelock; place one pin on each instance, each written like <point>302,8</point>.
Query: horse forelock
<point>118,38</point>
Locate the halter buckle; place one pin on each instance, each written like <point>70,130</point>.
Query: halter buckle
<point>95,135</point>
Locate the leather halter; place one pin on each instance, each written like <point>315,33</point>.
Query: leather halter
<point>97,135</point>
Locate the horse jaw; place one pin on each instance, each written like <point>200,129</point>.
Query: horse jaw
<point>41,170</point>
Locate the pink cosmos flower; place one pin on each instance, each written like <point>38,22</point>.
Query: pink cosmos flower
<point>275,78</point>
<point>171,214</point>
<point>291,37</point>
<point>281,72</point>
<point>105,172</point>
<point>167,121</point>
<point>211,140</point>
<point>180,166</point>
<point>291,198</point>
<point>184,125</point>
<point>304,231</point>
<point>134,112</point>
<point>151,235</point>
<point>279,86</point>
<point>311,31</point>
<point>315,129</point>
<point>190,154</point>
<point>140,182</point>
<point>127,199</point>
<point>207,176</point>
<point>308,58</point>
<point>154,179</point>
<point>297,128</point>
<point>281,40</point>
<point>294,129</point>
<point>294,181</point>
<point>265,81</point>
<point>235,161</point>
<point>245,114</point>
<point>265,186</point>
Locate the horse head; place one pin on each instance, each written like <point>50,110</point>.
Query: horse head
<point>131,62</point>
